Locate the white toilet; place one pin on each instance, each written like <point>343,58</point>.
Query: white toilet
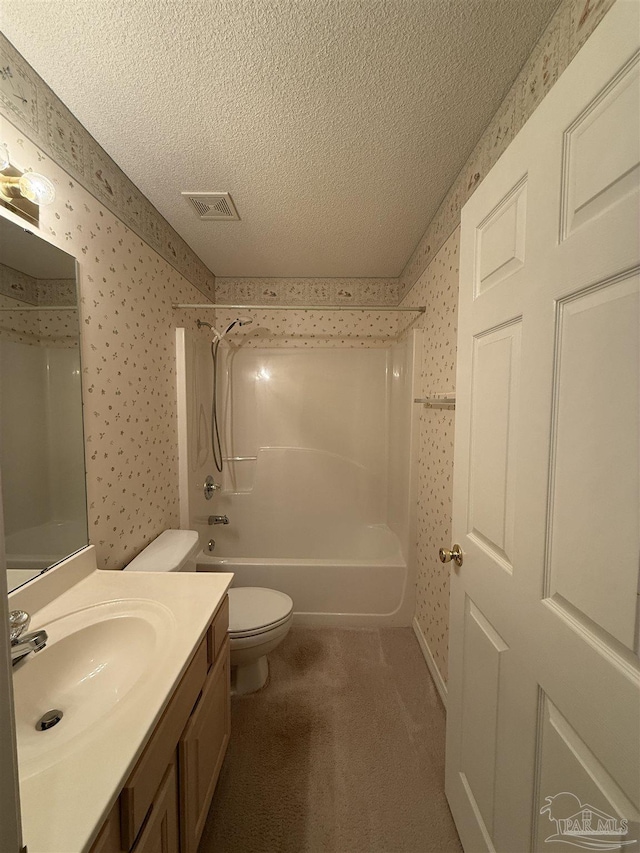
<point>172,551</point>
<point>259,619</point>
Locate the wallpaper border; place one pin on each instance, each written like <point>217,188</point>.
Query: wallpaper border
<point>41,116</point>
<point>49,124</point>
<point>568,29</point>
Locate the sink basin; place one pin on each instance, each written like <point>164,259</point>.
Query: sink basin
<point>97,661</point>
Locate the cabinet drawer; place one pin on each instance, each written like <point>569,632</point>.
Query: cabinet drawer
<point>201,752</point>
<point>218,631</point>
<point>138,793</point>
<point>160,833</point>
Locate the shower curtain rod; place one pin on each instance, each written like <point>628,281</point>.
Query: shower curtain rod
<point>420,309</point>
<point>43,308</point>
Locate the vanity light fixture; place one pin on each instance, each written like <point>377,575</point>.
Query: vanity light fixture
<point>27,185</point>
<point>30,185</point>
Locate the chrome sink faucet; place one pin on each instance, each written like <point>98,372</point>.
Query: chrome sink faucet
<point>21,643</point>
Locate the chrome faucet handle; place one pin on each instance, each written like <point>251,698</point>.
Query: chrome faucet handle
<point>210,487</point>
<point>25,643</point>
<point>18,622</point>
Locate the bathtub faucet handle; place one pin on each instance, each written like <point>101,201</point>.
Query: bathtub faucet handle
<point>210,487</point>
<point>218,519</point>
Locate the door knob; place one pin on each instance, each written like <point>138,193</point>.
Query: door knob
<point>454,554</point>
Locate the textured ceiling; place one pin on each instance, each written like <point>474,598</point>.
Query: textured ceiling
<point>336,125</point>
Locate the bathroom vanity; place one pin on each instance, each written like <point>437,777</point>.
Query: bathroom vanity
<point>139,665</point>
<point>165,801</point>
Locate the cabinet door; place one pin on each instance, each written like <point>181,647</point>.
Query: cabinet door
<point>140,788</point>
<point>108,840</point>
<point>201,752</point>
<point>160,834</point>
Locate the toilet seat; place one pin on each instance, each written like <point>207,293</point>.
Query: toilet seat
<point>256,610</point>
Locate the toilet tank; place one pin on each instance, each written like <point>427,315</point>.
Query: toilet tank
<point>172,551</point>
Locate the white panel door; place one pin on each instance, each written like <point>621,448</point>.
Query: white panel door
<point>543,728</point>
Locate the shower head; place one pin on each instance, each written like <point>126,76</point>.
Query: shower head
<point>218,336</point>
<point>239,321</point>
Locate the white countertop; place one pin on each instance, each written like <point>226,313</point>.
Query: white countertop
<point>64,806</point>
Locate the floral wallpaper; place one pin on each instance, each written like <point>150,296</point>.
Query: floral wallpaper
<point>431,278</point>
<point>51,327</point>
<point>300,328</point>
<point>437,288</point>
<point>128,360</point>
<point>17,325</point>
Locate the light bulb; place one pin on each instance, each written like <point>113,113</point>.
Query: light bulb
<point>4,156</point>
<point>37,188</point>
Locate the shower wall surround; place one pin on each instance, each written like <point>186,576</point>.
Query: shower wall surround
<point>319,481</point>
<point>44,446</point>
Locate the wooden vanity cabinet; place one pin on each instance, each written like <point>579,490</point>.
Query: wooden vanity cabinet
<point>160,832</point>
<point>165,801</point>
<point>108,840</point>
<point>201,751</point>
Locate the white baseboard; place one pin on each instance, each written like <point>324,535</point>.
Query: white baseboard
<point>433,669</point>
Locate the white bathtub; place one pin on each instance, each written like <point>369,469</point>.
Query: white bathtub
<point>366,586</point>
<point>42,546</point>
<point>16,577</point>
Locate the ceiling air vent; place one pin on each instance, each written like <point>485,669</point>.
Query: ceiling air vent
<point>213,205</point>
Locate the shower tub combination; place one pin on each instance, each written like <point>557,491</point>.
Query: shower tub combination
<point>358,588</point>
<point>309,541</point>
<point>329,525</point>
<point>30,551</point>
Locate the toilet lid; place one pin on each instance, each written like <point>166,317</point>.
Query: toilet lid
<point>254,609</point>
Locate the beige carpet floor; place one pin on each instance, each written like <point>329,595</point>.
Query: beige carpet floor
<point>341,752</point>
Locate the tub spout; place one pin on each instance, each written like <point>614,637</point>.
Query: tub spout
<point>218,519</point>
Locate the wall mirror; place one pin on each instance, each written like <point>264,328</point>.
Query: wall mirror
<point>41,433</point>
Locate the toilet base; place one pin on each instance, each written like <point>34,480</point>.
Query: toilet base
<point>249,677</point>
<point>249,666</point>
